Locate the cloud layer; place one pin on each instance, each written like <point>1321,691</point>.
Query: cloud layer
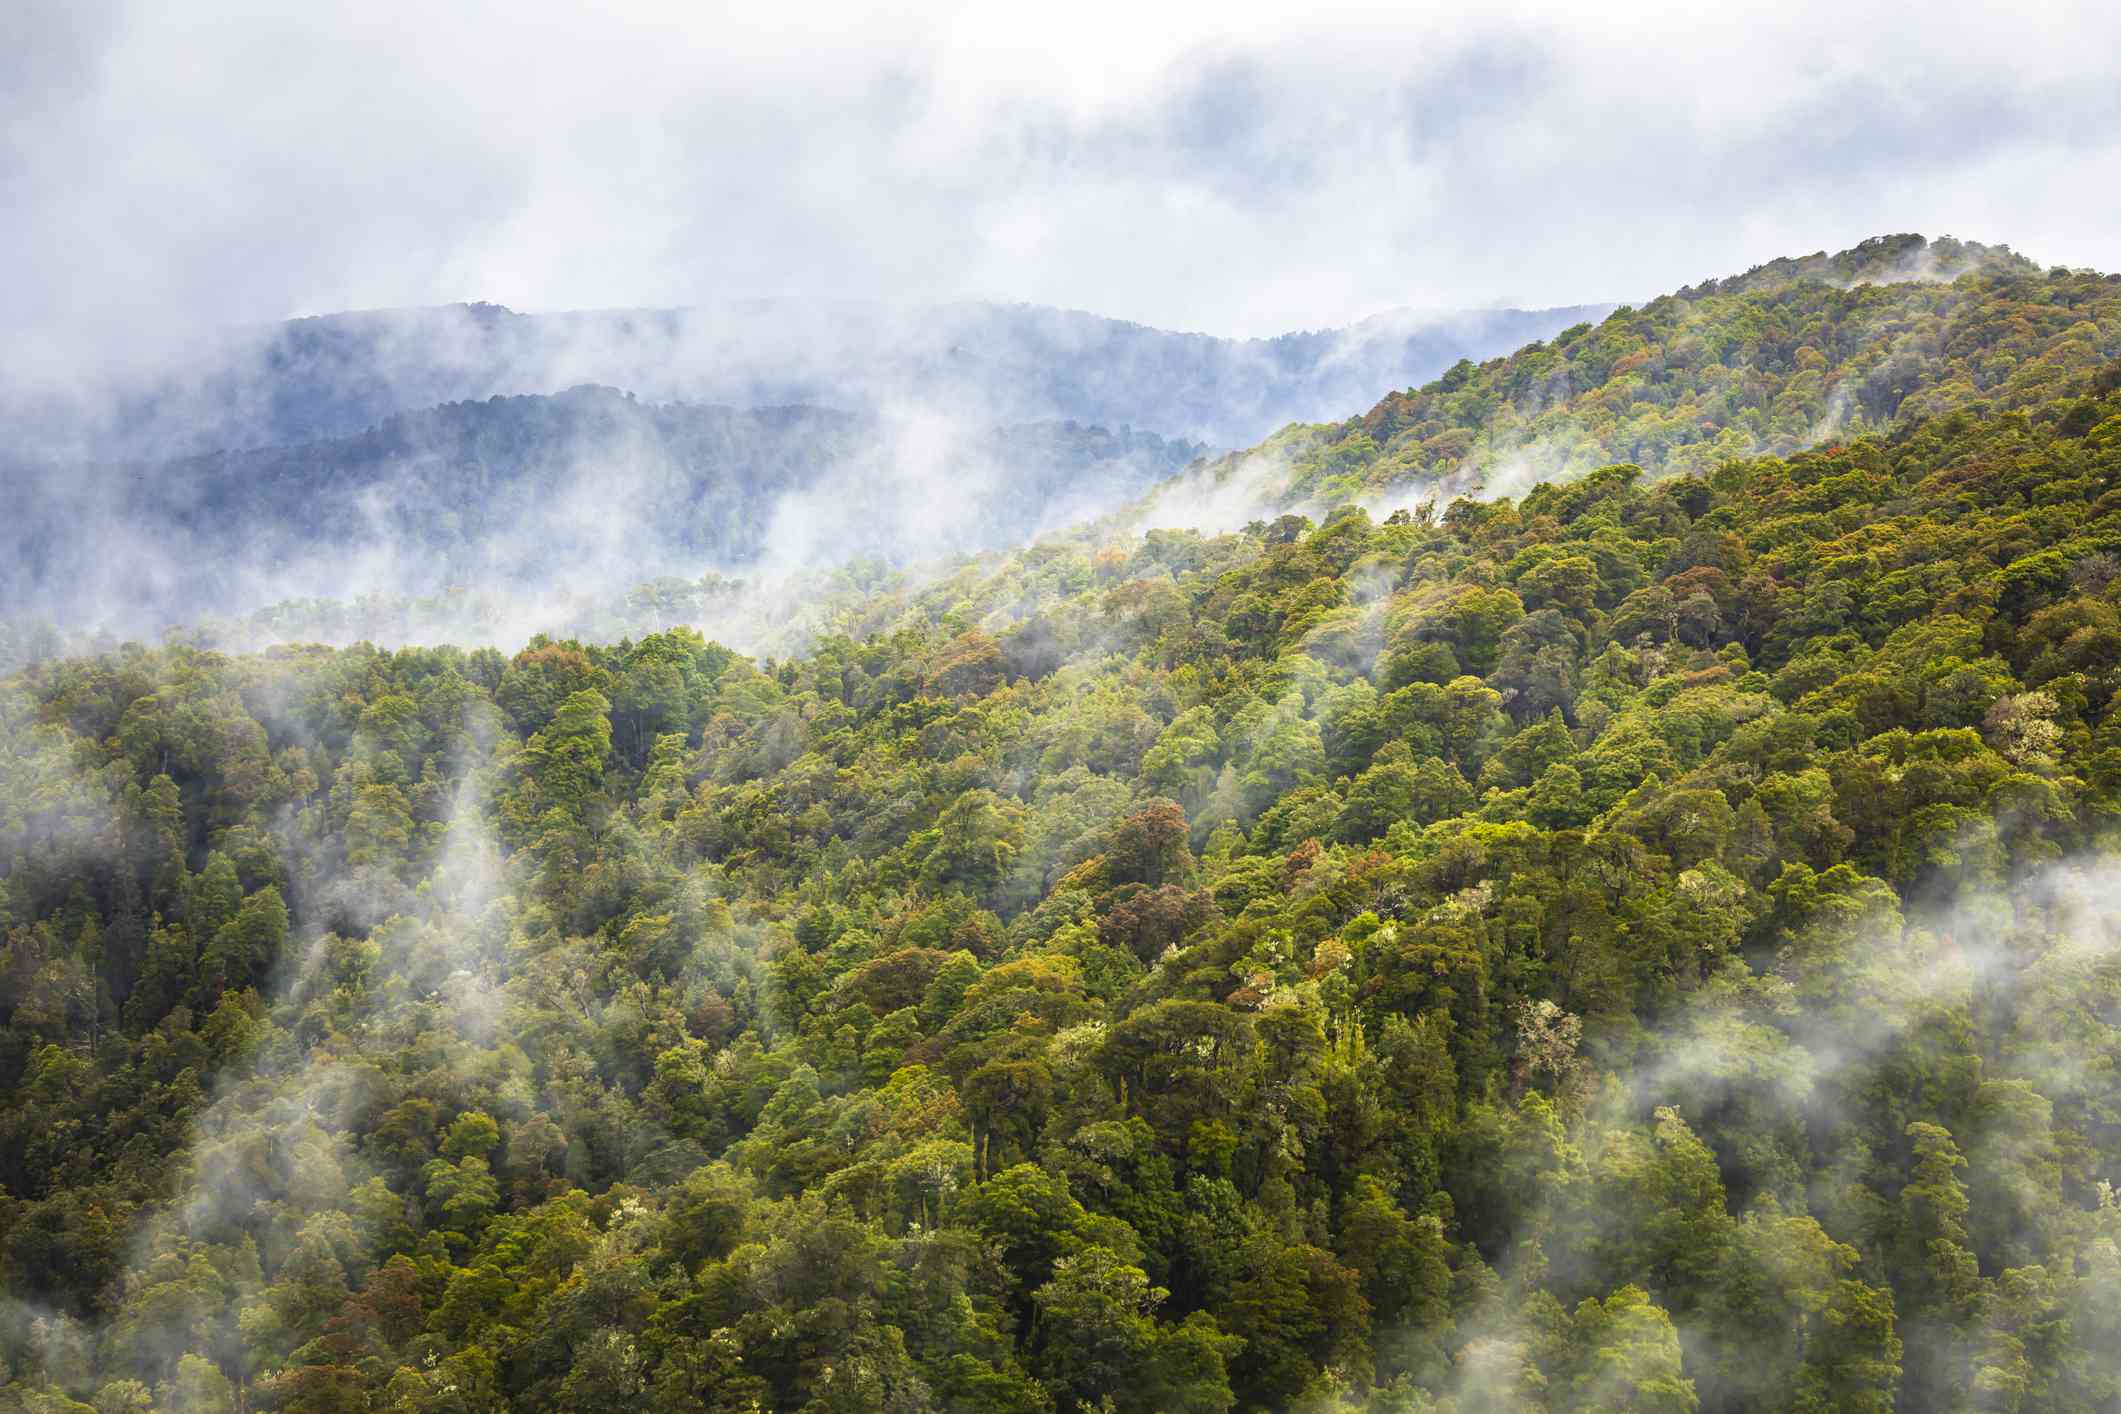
<point>1234,168</point>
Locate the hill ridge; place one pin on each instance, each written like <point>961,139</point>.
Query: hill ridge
<point>1782,357</point>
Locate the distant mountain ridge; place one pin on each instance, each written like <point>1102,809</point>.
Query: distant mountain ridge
<point>336,375</point>
<point>602,485</point>
<point>590,485</point>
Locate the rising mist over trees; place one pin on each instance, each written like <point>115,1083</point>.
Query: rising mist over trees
<point>1646,940</point>
<point>565,458</point>
<point>1791,354</point>
<point>586,489</point>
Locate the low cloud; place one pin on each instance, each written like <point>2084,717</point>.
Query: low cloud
<point>1235,169</point>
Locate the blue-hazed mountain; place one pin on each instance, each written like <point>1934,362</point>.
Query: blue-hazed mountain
<point>587,487</point>
<point>336,375</point>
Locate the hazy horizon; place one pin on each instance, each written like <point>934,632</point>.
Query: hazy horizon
<point>1230,168</point>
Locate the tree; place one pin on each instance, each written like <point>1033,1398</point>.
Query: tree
<point>1623,1353</point>
<point>1034,1221</point>
<point>1297,1310</point>
<point>199,1388</point>
<point>1189,1369</point>
<point>242,953</point>
<point>1855,1362</point>
<point>1406,1278</point>
<point>1941,1288</point>
<point>563,765</point>
<point>1096,1333</point>
<point>976,844</point>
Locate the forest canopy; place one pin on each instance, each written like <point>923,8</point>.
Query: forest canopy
<point>1789,355</point>
<point>1648,941</point>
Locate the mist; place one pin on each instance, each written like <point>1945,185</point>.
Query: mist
<point>232,389</point>
<point>459,453</point>
<point>1147,709</point>
<point>1233,169</point>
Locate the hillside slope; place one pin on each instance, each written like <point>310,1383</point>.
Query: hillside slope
<point>1790,355</point>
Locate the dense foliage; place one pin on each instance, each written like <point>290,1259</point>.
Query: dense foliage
<point>1648,944</point>
<point>1781,358</point>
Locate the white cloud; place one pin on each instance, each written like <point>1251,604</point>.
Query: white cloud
<point>1232,167</point>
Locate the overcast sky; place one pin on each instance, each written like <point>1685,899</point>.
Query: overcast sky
<point>1234,168</point>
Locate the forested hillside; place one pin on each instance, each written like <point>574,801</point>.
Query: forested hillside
<point>1645,943</point>
<point>1791,354</point>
